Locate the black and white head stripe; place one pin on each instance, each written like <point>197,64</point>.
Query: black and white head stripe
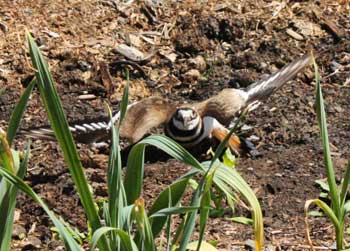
<point>263,88</point>
<point>186,119</point>
<point>193,137</point>
<point>185,126</point>
<point>183,136</point>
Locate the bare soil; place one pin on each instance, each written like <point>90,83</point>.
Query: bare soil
<point>239,42</point>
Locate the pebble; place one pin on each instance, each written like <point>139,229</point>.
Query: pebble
<point>194,73</point>
<point>199,63</point>
<point>246,127</point>
<point>263,65</point>
<point>249,244</point>
<point>86,96</point>
<point>31,241</point>
<point>18,231</point>
<point>130,52</point>
<point>294,34</point>
<point>253,138</point>
<point>226,46</point>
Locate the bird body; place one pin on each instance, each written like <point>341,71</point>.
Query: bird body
<point>188,124</point>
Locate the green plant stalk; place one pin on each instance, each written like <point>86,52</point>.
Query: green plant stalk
<point>321,117</point>
<point>135,166</point>
<point>343,194</point>
<point>68,240</point>
<point>231,176</point>
<point>17,113</point>
<point>168,221</point>
<point>13,194</point>
<point>338,201</point>
<point>7,193</point>
<point>113,178</point>
<point>6,159</point>
<point>169,197</point>
<point>178,233</point>
<point>344,189</point>
<point>143,226</point>
<point>205,205</point>
<point>116,191</point>
<point>125,238</point>
<point>59,125</point>
<point>8,202</point>
<point>134,177</point>
<point>330,214</point>
<point>190,221</point>
<point>243,188</point>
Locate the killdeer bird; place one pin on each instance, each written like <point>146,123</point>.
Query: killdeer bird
<point>188,124</point>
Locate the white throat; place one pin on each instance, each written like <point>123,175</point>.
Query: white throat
<point>186,126</point>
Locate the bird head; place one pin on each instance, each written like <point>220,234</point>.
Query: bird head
<point>186,119</point>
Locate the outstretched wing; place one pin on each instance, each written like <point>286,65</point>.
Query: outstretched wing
<point>228,103</point>
<point>263,88</point>
<point>144,115</point>
<point>224,106</point>
<point>139,119</point>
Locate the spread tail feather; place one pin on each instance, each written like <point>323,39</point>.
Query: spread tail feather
<point>44,133</point>
<point>264,88</point>
<point>85,133</point>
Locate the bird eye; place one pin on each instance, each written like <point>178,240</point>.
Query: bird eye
<point>193,114</point>
<point>178,115</point>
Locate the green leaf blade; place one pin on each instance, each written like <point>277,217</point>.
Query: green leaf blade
<point>60,127</point>
<point>17,114</point>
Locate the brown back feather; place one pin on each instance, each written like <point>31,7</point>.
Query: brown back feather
<point>224,106</point>
<point>144,115</point>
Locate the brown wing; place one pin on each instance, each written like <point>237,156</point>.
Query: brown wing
<point>224,106</point>
<point>144,115</point>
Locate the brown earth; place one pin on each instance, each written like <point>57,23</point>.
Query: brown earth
<point>239,42</point>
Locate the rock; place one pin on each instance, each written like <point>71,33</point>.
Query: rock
<point>199,63</point>
<point>335,66</point>
<point>18,232</point>
<point>32,243</point>
<point>246,127</point>
<point>226,46</point>
<point>294,34</point>
<point>130,52</point>
<point>168,54</point>
<point>193,73</point>
<point>253,138</point>
<point>249,244</point>
<point>135,40</point>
